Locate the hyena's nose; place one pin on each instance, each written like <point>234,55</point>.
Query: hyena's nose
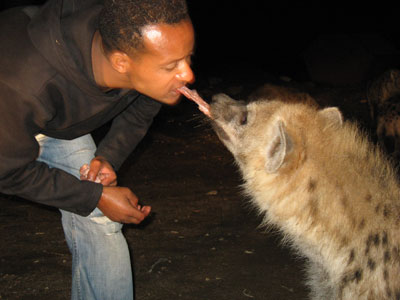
<point>221,104</point>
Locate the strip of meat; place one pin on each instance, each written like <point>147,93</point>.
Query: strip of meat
<point>194,96</point>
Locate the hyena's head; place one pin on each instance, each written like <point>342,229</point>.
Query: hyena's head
<point>269,136</point>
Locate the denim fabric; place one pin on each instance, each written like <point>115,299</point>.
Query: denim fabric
<point>101,268</point>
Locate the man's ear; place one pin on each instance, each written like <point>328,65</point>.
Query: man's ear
<point>120,61</point>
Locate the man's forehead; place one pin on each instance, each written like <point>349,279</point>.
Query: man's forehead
<point>168,40</point>
<point>163,33</point>
<point>152,33</point>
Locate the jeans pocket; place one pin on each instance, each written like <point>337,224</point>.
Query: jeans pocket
<point>109,227</point>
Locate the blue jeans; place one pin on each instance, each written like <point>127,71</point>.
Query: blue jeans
<point>101,267</point>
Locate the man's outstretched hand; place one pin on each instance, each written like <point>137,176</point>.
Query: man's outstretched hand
<point>119,204</point>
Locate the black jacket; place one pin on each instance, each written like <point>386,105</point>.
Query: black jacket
<point>47,86</point>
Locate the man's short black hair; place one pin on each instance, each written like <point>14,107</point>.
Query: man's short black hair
<point>121,21</point>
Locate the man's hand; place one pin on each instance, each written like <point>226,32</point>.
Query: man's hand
<point>99,171</point>
<point>119,204</point>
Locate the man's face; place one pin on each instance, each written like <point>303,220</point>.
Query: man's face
<point>164,64</point>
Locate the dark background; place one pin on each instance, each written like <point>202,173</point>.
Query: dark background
<point>272,35</point>
<point>203,240</point>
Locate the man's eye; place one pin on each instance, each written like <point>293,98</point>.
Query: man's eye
<point>170,68</point>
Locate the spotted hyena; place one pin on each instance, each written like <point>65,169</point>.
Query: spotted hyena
<point>383,95</point>
<point>332,193</point>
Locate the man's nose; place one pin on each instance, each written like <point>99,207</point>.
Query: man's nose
<point>186,74</point>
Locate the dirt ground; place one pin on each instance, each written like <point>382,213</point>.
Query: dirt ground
<point>203,240</point>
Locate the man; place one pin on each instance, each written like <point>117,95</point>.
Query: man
<point>67,68</point>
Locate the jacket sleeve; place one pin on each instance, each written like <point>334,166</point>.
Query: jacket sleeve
<point>127,130</point>
<point>22,175</point>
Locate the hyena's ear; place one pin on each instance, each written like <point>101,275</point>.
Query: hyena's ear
<point>277,148</point>
<point>332,116</point>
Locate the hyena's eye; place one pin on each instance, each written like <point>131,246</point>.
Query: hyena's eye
<point>243,118</point>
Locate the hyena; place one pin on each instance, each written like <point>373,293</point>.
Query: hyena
<point>331,192</point>
<point>383,96</point>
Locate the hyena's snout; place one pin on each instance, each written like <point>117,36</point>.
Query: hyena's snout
<point>229,116</point>
<point>225,110</point>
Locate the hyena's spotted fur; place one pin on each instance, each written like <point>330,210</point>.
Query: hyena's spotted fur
<point>383,96</point>
<point>332,193</point>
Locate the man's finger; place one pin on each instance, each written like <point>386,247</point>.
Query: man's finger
<point>107,179</point>
<point>138,216</point>
<point>94,170</point>
<point>146,210</point>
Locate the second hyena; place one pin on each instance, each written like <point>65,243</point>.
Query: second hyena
<point>333,195</point>
<point>383,95</point>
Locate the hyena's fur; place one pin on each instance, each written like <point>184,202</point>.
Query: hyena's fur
<point>333,194</point>
<point>287,94</point>
<point>383,96</point>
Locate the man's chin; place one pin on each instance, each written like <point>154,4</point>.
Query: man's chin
<point>171,100</point>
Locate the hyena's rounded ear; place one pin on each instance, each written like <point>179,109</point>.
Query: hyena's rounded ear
<point>278,146</point>
<point>332,116</point>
